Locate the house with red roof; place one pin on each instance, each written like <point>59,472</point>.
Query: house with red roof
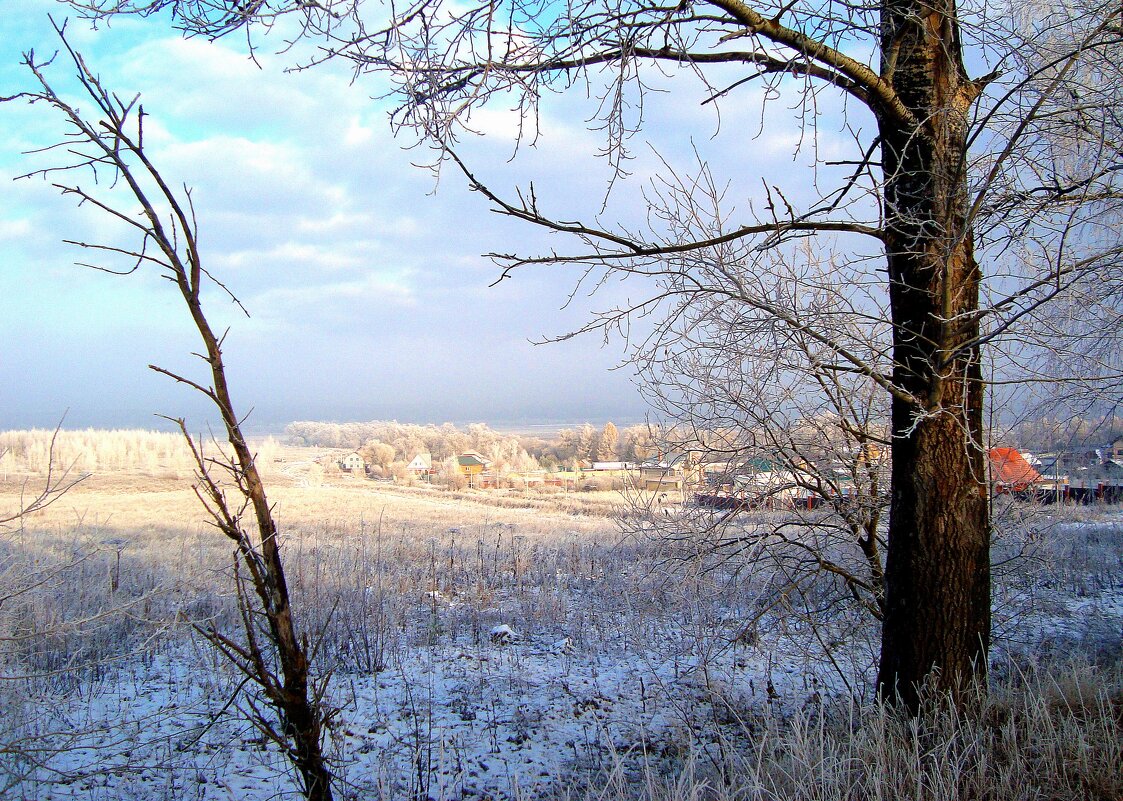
<point>1010,472</point>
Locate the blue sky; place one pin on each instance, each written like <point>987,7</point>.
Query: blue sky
<point>363,276</point>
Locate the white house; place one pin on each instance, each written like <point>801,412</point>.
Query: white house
<point>353,462</point>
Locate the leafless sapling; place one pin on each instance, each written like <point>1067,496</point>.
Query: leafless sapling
<point>108,147</point>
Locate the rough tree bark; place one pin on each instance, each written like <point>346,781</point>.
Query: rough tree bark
<point>937,609</point>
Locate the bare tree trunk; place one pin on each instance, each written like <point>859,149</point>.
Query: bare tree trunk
<point>937,611</point>
<point>303,716</point>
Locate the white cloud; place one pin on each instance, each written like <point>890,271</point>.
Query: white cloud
<point>347,223</point>
<point>15,229</point>
<point>358,135</point>
<point>372,293</point>
<point>237,160</point>
<point>312,213</point>
<point>503,125</point>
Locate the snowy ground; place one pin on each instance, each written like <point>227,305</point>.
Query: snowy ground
<point>457,720</point>
<point>609,664</point>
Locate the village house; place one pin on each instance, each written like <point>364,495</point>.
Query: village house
<point>772,482</point>
<point>667,475</point>
<point>474,466</point>
<point>1051,466</point>
<point>421,467</point>
<point>353,463</point>
<point>660,477</point>
<point>1010,472</point>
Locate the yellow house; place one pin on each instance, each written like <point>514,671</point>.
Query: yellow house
<point>472,465</point>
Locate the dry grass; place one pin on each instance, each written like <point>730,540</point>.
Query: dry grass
<point>137,547</point>
<point>1051,733</point>
<point>142,498</point>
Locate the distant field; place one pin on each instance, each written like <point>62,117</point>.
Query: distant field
<point>158,489</point>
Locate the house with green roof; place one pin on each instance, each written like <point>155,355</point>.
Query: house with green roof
<point>472,465</point>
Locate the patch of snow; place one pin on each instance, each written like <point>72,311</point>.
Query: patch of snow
<point>502,635</point>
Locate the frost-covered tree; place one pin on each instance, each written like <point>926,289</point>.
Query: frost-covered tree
<point>608,442</point>
<point>378,453</point>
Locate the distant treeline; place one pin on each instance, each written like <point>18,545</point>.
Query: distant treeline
<point>385,443</point>
<point>1058,434</point>
<point>388,445</point>
<point>86,451</point>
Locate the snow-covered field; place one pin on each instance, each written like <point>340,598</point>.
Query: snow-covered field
<point>474,651</point>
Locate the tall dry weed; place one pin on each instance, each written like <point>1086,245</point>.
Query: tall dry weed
<point>1049,732</point>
